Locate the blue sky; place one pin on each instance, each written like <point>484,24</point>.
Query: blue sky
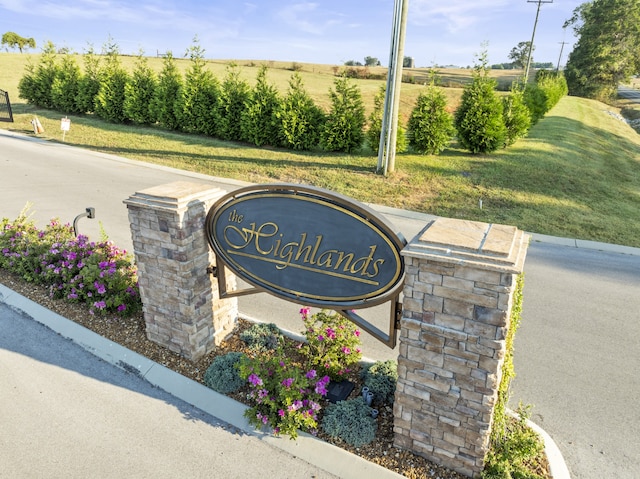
<point>322,31</point>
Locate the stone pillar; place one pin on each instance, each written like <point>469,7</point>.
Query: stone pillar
<point>182,310</point>
<point>458,295</point>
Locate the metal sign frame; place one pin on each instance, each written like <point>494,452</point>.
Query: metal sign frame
<point>392,294</point>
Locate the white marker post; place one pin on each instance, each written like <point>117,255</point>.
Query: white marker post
<point>65,126</point>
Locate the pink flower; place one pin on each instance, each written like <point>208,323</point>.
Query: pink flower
<point>357,333</point>
<point>346,350</point>
<point>281,413</point>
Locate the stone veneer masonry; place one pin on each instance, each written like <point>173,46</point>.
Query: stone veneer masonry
<point>181,306</point>
<point>458,294</point>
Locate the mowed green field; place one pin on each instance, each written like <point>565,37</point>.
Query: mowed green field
<point>576,175</point>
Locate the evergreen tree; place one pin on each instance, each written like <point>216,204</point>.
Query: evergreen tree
<point>89,83</point>
<point>167,94</point>
<point>111,95</point>
<point>35,86</point>
<point>233,101</point>
<point>608,47</point>
<point>343,129</point>
<point>66,85</point>
<point>198,104</point>
<point>139,93</point>
<point>300,118</point>
<point>479,118</point>
<point>430,124</point>
<point>517,117</point>
<point>260,124</point>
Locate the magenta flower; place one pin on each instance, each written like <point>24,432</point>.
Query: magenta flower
<point>346,350</point>
<point>281,413</point>
<point>255,380</point>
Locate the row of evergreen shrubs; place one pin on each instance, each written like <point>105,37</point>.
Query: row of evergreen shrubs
<point>233,110</point>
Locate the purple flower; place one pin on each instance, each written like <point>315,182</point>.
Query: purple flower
<point>255,380</point>
<point>321,338</point>
<point>287,382</point>
<point>122,307</point>
<point>100,304</point>
<point>281,413</point>
<point>311,374</point>
<point>99,287</point>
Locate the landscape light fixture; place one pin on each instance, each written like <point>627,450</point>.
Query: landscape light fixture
<point>539,2</point>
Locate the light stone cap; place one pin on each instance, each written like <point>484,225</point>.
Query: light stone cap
<point>174,196</point>
<point>488,246</point>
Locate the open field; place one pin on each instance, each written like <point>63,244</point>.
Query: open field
<point>576,175</point>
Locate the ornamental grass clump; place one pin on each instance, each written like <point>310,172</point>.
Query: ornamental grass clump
<point>74,268</point>
<point>332,343</point>
<point>285,397</point>
<point>223,375</point>
<point>350,421</point>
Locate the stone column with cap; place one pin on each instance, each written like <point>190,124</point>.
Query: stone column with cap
<point>458,295</point>
<point>181,306</point>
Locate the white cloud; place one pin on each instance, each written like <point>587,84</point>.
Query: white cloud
<point>307,17</point>
<point>455,15</point>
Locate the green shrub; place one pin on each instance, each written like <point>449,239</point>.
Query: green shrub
<point>516,115</point>
<point>223,374</point>
<point>343,129</point>
<point>300,119</point>
<point>375,125</point>
<point>197,108</point>
<point>260,125</point>
<point>66,85</point>
<point>261,337</point>
<point>89,83</point>
<point>284,396</point>
<point>74,268</point>
<point>167,94</point>
<point>479,119</point>
<point>430,124</point>
<point>234,96</point>
<point>350,421</point>
<point>35,85</point>
<point>536,102</point>
<point>140,93</point>
<point>381,378</point>
<point>110,98</point>
<point>332,343</point>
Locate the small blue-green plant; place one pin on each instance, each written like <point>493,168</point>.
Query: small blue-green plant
<point>381,378</point>
<point>350,421</point>
<point>262,337</point>
<point>223,374</point>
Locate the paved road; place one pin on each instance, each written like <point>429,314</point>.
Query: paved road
<point>577,357</point>
<point>629,93</point>
<point>67,414</point>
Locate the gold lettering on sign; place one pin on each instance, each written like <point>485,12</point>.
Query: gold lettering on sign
<point>303,253</point>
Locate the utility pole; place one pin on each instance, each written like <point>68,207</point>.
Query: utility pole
<point>389,132</point>
<point>539,2</point>
<point>560,57</point>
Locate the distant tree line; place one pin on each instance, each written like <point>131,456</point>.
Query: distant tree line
<point>199,103</point>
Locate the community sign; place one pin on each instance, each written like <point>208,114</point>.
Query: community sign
<point>307,245</point>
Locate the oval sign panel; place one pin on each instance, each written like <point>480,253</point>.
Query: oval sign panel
<point>307,245</point>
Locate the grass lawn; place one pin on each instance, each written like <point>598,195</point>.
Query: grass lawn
<point>576,175</point>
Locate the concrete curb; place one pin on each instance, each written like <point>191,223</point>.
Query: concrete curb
<point>330,458</point>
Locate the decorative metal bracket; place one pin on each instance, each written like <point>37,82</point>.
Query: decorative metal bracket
<point>395,314</point>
